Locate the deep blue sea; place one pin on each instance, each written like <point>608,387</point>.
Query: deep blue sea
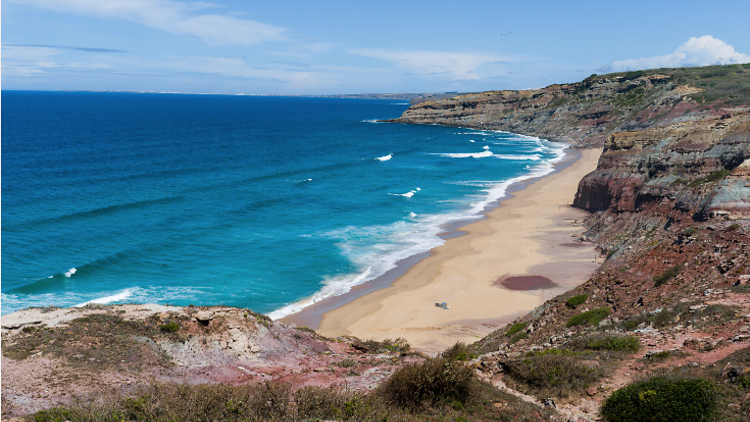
<point>269,203</point>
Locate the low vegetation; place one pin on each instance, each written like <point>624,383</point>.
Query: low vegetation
<point>592,317</point>
<point>438,389</point>
<point>663,399</point>
<point>435,381</point>
<point>515,328</point>
<point>700,316</point>
<point>666,275</point>
<point>711,178</point>
<point>576,300</point>
<point>459,352</point>
<point>554,372</point>
<point>399,345</point>
<point>608,342</point>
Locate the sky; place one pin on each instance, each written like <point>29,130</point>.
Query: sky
<point>347,47</point>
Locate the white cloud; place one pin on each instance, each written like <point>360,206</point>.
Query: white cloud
<point>701,51</point>
<point>172,16</point>
<point>26,61</point>
<point>455,65</point>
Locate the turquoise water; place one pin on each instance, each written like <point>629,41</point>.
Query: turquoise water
<point>270,203</point>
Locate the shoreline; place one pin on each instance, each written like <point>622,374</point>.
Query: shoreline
<point>311,316</point>
<point>401,303</point>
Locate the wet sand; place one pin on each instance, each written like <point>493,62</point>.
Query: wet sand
<point>529,234</point>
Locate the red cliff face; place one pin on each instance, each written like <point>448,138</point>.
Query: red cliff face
<point>668,166</point>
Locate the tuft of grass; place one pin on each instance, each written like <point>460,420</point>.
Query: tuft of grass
<point>170,327</point>
<point>459,352</point>
<point>515,328</point>
<point>660,355</point>
<point>592,317</point>
<point>399,345</point>
<point>609,342</point>
<point>733,227</point>
<point>663,399</point>
<point>666,275</point>
<point>518,337</point>
<point>346,363</point>
<point>576,300</point>
<point>554,372</point>
<point>435,381</point>
<point>711,178</point>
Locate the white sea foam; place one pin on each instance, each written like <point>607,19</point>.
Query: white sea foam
<point>158,294</point>
<point>108,299</point>
<point>370,121</point>
<point>417,234</point>
<point>483,154</point>
<point>405,195</point>
<point>331,287</point>
<point>486,147</point>
<point>385,157</point>
<point>70,272</point>
<point>471,140</point>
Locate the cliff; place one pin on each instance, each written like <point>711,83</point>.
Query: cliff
<point>585,113</point>
<point>670,206</point>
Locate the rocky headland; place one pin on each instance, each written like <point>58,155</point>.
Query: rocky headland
<point>665,319</point>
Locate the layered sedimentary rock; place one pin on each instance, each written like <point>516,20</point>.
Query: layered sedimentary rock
<point>585,113</point>
<point>673,167</point>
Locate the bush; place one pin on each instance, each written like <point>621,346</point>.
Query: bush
<point>435,381</point>
<point>516,328</point>
<point>318,402</point>
<point>576,300</point>
<point>554,372</point>
<point>662,399</point>
<point>346,363</point>
<point>371,346</point>
<point>518,337</point>
<point>616,343</point>
<point>56,414</point>
<point>666,276</point>
<point>733,227</point>
<point>593,317</point>
<point>711,178</point>
<point>170,327</point>
<point>459,352</point>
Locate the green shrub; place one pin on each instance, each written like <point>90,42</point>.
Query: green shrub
<point>520,336</point>
<point>744,380</point>
<point>616,343</point>
<point>554,372</point>
<point>733,227</point>
<point>516,328</point>
<point>56,414</point>
<point>346,363</point>
<point>371,346</point>
<point>170,327</point>
<point>666,275</point>
<point>633,75</point>
<point>459,352</point>
<point>660,355</point>
<point>662,399</point>
<point>435,381</point>
<point>711,178</point>
<point>576,300</point>
<point>592,317</point>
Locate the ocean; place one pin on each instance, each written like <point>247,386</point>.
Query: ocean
<point>267,203</point>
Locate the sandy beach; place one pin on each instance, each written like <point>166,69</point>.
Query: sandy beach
<point>530,234</point>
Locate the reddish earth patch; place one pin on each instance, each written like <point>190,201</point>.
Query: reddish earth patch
<point>527,282</point>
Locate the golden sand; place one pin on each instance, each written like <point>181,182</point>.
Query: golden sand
<point>530,233</point>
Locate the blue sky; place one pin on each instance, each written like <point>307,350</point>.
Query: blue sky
<point>336,47</point>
